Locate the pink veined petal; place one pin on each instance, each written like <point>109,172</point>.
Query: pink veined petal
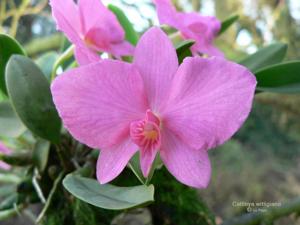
<point>123,48</point>
<point>189,166</point>
<point>112,161</point>
<point>167,13</point>
<point>209,101</point>
<point>85,56</point>
<point>4,150</point>
<point>98,102</point>
<point>156,60</point>
<point>67,20</point>
<point>94,14</point>
<point>147,157</point>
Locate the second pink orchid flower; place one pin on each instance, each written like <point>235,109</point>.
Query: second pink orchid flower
<point>202,29</point>
<point>92,28</point>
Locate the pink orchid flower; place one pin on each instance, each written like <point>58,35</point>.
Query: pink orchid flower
<point>4,150</point>
<point>92,28</point>
<point>155,105</point>
<point>201,29</point>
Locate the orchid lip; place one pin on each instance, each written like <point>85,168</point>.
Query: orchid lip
<point>146,133</point>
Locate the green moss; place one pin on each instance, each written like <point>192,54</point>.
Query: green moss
<point>176,203</point>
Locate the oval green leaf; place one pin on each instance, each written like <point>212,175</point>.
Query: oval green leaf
<point>108,196</point>
<point>8,47</point>
<point>130,34</point>
<point>30,94</point>
<point>281,78</point>
<point>227,23</point>
<point>183,50</point>
<point>266,56</point>
<point>10,124</point>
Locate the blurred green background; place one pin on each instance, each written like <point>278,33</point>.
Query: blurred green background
<point>262,162</point>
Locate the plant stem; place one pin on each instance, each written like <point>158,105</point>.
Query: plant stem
<point>49,199</point>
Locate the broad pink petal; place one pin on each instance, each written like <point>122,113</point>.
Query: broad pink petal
<point>123,48</point>
<point>98,102</point>
<point>85,56</point>
<point>156,60</point>
<point>113,160</point>
<point>7,151</point>
<point>209,101</point>
<point>94,14</point>
<point>189,166</point>
<point>67,20</point>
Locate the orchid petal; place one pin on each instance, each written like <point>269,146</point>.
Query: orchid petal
<point>85,56</point>
<point>67,20</point>
<point>94,14</point>
<point>167,13</point>
<point>122,49</point>
<point>209,101</point>
<point>189,166</point>
<point>112,161</point>
<point>98,102</point>
<point>156,60</point>
<point>147,158</point>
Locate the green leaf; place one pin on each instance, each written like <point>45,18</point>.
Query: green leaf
<point>30,94</point>
<point>9,201</point>
<point>46,63</point>
<point>282,78</point>
<point>266,56</point>
<point>8,47</point>
<point>227,23</point>
<point>108,196</point>
<point>41,154</point>
<point>130,34</point>
<point>183,50</point>
<point>10,125</point>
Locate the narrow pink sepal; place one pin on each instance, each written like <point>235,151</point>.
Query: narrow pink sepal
<point>147,157</point>
<point>156,60</point>
<point>67,20</point>
<point>113,160</point>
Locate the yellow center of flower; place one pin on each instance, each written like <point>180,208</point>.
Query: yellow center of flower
<point>89,42</point>
<point>151,134</point>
